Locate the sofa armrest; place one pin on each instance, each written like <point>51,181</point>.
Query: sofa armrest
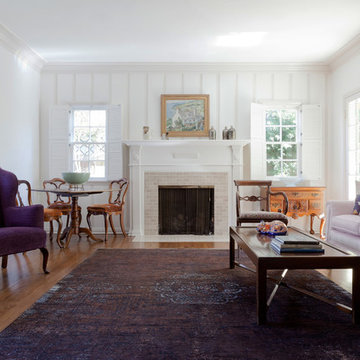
<point>339,207</point>
<point>31,216</point>
<point>335,208</point>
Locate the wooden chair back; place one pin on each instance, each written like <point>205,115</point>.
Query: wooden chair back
<point>19,197</point>
<point>55,184</point>
<point>263,198</point>
<point>122,186</point>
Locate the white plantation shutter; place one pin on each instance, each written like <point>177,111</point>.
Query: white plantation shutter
<point>59,130</point>
<point>312,145</point>
<point>257,146</point>
<point>114,164</point>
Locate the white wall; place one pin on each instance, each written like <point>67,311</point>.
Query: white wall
<point>343,81</point>
<point>19,117</point>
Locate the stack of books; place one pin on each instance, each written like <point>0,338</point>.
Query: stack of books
<point>295,244</point>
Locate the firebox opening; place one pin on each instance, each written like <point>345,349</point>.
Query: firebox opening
<point>186,210</point>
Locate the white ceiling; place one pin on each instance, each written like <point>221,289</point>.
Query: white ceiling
<point>181,30</point>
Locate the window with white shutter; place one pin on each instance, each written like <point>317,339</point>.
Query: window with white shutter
<point>286,142</point>
<point>86,139</point>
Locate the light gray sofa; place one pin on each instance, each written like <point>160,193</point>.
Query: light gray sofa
<point>342,227</point>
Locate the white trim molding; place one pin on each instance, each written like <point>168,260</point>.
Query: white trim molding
<point>344,53</point>
<point>20,49</point>
<point>72,67</point>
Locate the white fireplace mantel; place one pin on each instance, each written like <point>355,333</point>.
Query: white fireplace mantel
<point>184,159</point>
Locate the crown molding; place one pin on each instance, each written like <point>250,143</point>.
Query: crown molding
<point>20,49</point>
<point>85,67</point>
<point>345,53</point>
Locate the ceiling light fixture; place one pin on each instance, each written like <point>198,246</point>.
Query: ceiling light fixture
<point>243,39</point>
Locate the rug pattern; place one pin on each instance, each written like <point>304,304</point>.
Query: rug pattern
<point>178,304</point>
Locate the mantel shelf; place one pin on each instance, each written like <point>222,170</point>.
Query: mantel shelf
<point>186,142</point>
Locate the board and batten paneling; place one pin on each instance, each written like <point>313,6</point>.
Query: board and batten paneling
<point>83,88</point>
<point>227,99</point>
<point>138,92</point>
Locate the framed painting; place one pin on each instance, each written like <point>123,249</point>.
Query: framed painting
<point>185,115</point>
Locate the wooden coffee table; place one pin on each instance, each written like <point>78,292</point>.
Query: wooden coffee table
<point>257,247</point>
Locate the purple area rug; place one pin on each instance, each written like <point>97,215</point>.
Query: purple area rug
<point>178,304</point>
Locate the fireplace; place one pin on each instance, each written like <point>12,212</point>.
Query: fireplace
<point>184,162</point>
<point>186,210</point>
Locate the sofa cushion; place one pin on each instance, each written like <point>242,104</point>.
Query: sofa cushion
<point>356,209</point>
<point>263,215</point>
<point>346,223</point>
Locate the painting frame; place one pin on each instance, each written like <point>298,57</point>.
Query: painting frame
<point>197,126</point>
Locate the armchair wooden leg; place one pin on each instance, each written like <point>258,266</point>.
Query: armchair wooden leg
<point>88,220</point>
<point>59,221</point>
<point>106,226</point>
<point>45,254</point>
<point>112,224</point>
<point>67,220</point>
<point>122,225</point>
<point>4,261</point>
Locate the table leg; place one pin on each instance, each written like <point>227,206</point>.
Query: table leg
<point>261,306</point>
<point>232,252</point>
<point>75,223</point>
<point>68,236</point>
<point>322,224</point>
<point>356,295</point>
<point>89,233</point>
<point>312,232</point>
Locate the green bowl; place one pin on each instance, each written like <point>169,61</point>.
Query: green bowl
<point>75,178</point>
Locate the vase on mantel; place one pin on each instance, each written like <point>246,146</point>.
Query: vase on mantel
<point>212,133</point>
<point>225,133</point>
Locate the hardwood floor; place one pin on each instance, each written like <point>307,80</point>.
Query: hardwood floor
<point>23,282</point>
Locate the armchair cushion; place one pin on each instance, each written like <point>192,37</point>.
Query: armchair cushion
<point>20,239</point>
<point>347,223</point>
<point>28,216</point>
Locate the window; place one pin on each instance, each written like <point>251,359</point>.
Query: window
<point>276,149</point>
<point>282,142</point>
<point>89,141</point>
<point>353,144</point>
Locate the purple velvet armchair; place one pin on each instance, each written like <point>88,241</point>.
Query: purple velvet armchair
<point>21,228</point>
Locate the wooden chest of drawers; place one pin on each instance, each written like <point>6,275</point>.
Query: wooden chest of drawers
<point>302,201</point>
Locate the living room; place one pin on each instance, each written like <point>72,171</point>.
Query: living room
<point>121,57</point>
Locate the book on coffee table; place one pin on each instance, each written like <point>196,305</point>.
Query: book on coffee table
<point>295,245</point>
<point>280,250</point>
<point>296,239</point>
<point>295,248</point>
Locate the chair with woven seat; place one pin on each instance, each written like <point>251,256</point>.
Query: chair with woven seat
<point>113,207</point>
<point>264,198</point>
<point>50,215</point>
<point>58,201</point>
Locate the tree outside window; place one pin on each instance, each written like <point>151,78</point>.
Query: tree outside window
<point>281,143</point>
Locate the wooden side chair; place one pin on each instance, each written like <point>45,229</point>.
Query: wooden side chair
<point>113,207</point>
<point>264,198</point>
<point>56,201</point>
<point>50,215</point>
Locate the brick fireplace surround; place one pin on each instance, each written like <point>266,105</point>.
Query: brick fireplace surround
<point>151,199</point>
